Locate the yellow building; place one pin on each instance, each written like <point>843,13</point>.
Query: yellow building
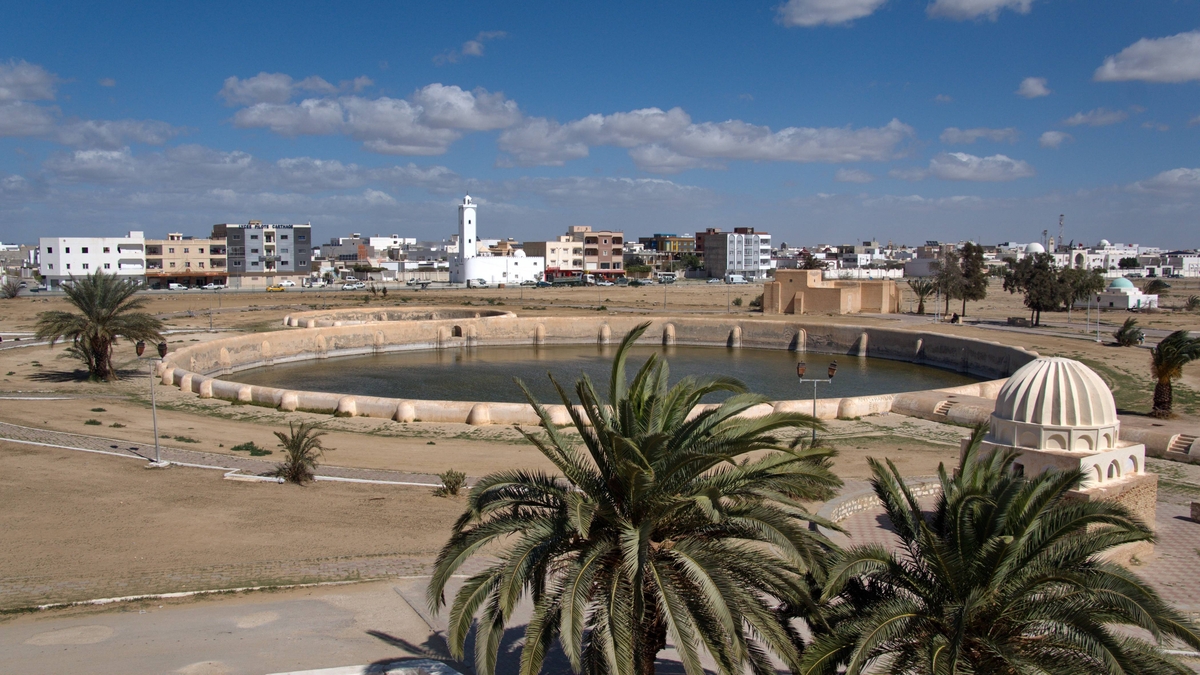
<point>184,260</point>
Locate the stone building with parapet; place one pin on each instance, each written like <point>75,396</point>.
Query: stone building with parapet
<point>1059,415</point>
<point>808,292</point>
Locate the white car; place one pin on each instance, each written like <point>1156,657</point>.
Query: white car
<point>287,283</point>
<point>353,286</point>
<point>176,287</point>
<point>605,283</point>
<point>714,280</point>
<point>212,287</point>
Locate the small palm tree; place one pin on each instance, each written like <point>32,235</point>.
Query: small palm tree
<point>1167,360</point>
<point>923,288</point>
<point>1129,334</point>
<point>1006,578</point>
<point>107,311</point>
<point>301,450</point>
<point>659,526</point>
<point>11,288</point>
<point>1157,287</point>
<point>1193,303</point>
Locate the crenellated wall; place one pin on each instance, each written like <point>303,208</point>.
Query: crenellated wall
<point>198,367</point>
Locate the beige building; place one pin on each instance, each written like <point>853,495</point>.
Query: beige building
<point>603,250</point>
<point>184,260</point>
<point>562,256</point>
<point>808,292</point>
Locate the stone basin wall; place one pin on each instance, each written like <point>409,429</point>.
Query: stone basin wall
<point>197,368</point>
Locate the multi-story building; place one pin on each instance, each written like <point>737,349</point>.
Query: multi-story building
<point>185,260</point>
<point>261,255</point>
<point>64,257</point>
<point>603,250</point>
<point>564,256</point>
<point>742,251</point>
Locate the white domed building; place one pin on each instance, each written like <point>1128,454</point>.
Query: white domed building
<point>1034,248</point>
<point>1123,294</point>
<point>1058,414</point>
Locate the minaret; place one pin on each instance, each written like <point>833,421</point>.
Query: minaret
<point>466,229</point>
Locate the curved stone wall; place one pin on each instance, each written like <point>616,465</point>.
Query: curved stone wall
<point>197,368</point>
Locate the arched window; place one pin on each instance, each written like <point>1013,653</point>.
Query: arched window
<point>457,332</point>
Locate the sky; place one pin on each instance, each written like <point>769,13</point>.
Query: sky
<point>819,121</point>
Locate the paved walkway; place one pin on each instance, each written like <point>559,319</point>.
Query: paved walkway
<point>247,465</point>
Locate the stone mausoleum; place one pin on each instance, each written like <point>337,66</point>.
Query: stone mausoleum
<point>1059,414</point>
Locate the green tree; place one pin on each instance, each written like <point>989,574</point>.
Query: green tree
<point>692,261</point>
<point>107,310</point>
<point>973,275</point>
<point>1129,334</point>
<point>302,448</point>
<point>661,525</point>
<point>948,277</point>
<point>810,262</point>
<point>1037,278</point>
<point>1128,263</point>
<point>923,288</point>
<point>1006,578</point>
<point>1167,360</point>
<point>1078,284</point>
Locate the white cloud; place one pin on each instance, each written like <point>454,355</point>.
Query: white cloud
<point>98,166</point>
<point>113,134</point>
<point>23,81</point>
<point>1100,117</point>
<point>943,98</point>
<point>911,174</point>
<point>1033,87</point>
<point>469,48</point>
<point>961,166</point>
<point>1169,59</point>
<point>1173,181</point>
<point>281,88</point>
<point>852,176</point>
<point>657,159</point>
<point>1155,126</point>
<point>826,12</point>
<point>963,10</point>
<point>954,135</point>
<point>427,125</point>
<point>1054,139</point>
<point>21,119</point>
<point>609,192</point>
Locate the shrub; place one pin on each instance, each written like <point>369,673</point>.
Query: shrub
<point>11,288</point>
<point>93,423</point>
<point>737,302</point>
<point>1128,334</point>
<point>252,448</point>
<point>99,410</point>
<point>1193,303</point>
<point>452,482</point>
<point>186,439</point>
<point>757,301</point>
<point>117,425</point>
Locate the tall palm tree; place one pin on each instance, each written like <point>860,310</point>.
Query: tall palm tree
<point>923,288</point>
<point>660,526</point>
<point>302,447</point>
<point>107,311</point>
<point>1006,578</point>
<point>1167,360</point>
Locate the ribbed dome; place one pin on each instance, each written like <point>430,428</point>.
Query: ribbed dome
<point>1056,392</point>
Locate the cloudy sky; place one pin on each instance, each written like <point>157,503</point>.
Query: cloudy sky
<point>817,120</point>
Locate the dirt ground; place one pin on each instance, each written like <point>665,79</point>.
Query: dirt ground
<point>111,527</point>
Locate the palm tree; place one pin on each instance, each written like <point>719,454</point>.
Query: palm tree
<point>301,450</point>
<point>1129,334</point>
<point>659,527</point>
<point>923,288</point>
<point>1166,363</point>
<point>1006,578</point>
<point>107,311</point>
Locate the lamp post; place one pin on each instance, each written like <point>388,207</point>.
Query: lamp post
<point>162,352</point>
<point>800,368</point>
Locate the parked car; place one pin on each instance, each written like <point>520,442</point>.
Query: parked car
<point>735,279</point>
<point>353,286</point>
<point>287,283</point>
<point>714,280</point>
<point>212,286</point>
<point>275,288</point>
<point>176,287</point>
<point>605,283</point>
<point>544,284</point>
<point>477,283</point>
<point>529,282</point>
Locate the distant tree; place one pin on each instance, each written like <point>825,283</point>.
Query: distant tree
<point>1128,334</point>
<point>923,288</point>
<point>692,261</point>
<point>948,277</point>
<point>974,275</point>
<point>108,310</point>
<point>1037,278</point>
<point>810,262</point>
<point>1157,287</point>
<point>1128,263</point>
<point>1167,360</point>
<point>1078,284</point>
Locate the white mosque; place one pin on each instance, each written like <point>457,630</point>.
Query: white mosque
<point>1122,294</point>
<point>472,265</point>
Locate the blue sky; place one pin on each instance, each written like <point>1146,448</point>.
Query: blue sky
<point>817,120</point>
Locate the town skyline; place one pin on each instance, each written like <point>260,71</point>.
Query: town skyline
<point>815,121</point>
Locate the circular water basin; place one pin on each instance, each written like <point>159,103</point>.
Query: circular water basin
<point>486,373</point>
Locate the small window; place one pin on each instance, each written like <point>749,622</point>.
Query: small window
<point>106,249</point>
<point>254,250</point>
<point>107,266</point>
<point>187,264</point>
<point>172,264</point>
<point>302,237</point>
<point>50,265</point>
<point>187,250</point>
<point>67,249</point>
<point>85,266</point>
<point>68,265</point>
<point>237,263</point>
<point>49,250</point>
<point>171,250</point>
<point>85,249</point>
<point>201,265</point>
<point>283,237</point>
<point>254,236</point>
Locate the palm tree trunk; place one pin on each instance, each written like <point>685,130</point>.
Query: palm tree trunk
<point>921,306</point>
<point>1163,399</point>
<point>964,312</point>
<point>102,359</point>
<point>653,640</point>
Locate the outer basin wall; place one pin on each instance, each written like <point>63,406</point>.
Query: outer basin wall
<point>205,361</point>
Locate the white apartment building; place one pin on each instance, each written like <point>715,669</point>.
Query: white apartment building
<point>742,251</point>
<point>64,257</point>
<point>562,255</point>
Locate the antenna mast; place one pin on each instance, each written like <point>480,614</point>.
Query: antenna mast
<point>1060,228</point>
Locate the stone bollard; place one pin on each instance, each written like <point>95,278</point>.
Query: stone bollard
<point>206,388</point>
<point>347,407</point>
<point>289,401</point>
<point>245,394</point>
<point>405,412</point>
<point>480,415</point>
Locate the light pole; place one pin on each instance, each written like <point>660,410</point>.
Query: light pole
<point>162,352</point>
<point>800,368</point>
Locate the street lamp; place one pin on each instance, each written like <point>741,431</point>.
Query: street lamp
<point>800,369</point>
<point>162,352</point>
